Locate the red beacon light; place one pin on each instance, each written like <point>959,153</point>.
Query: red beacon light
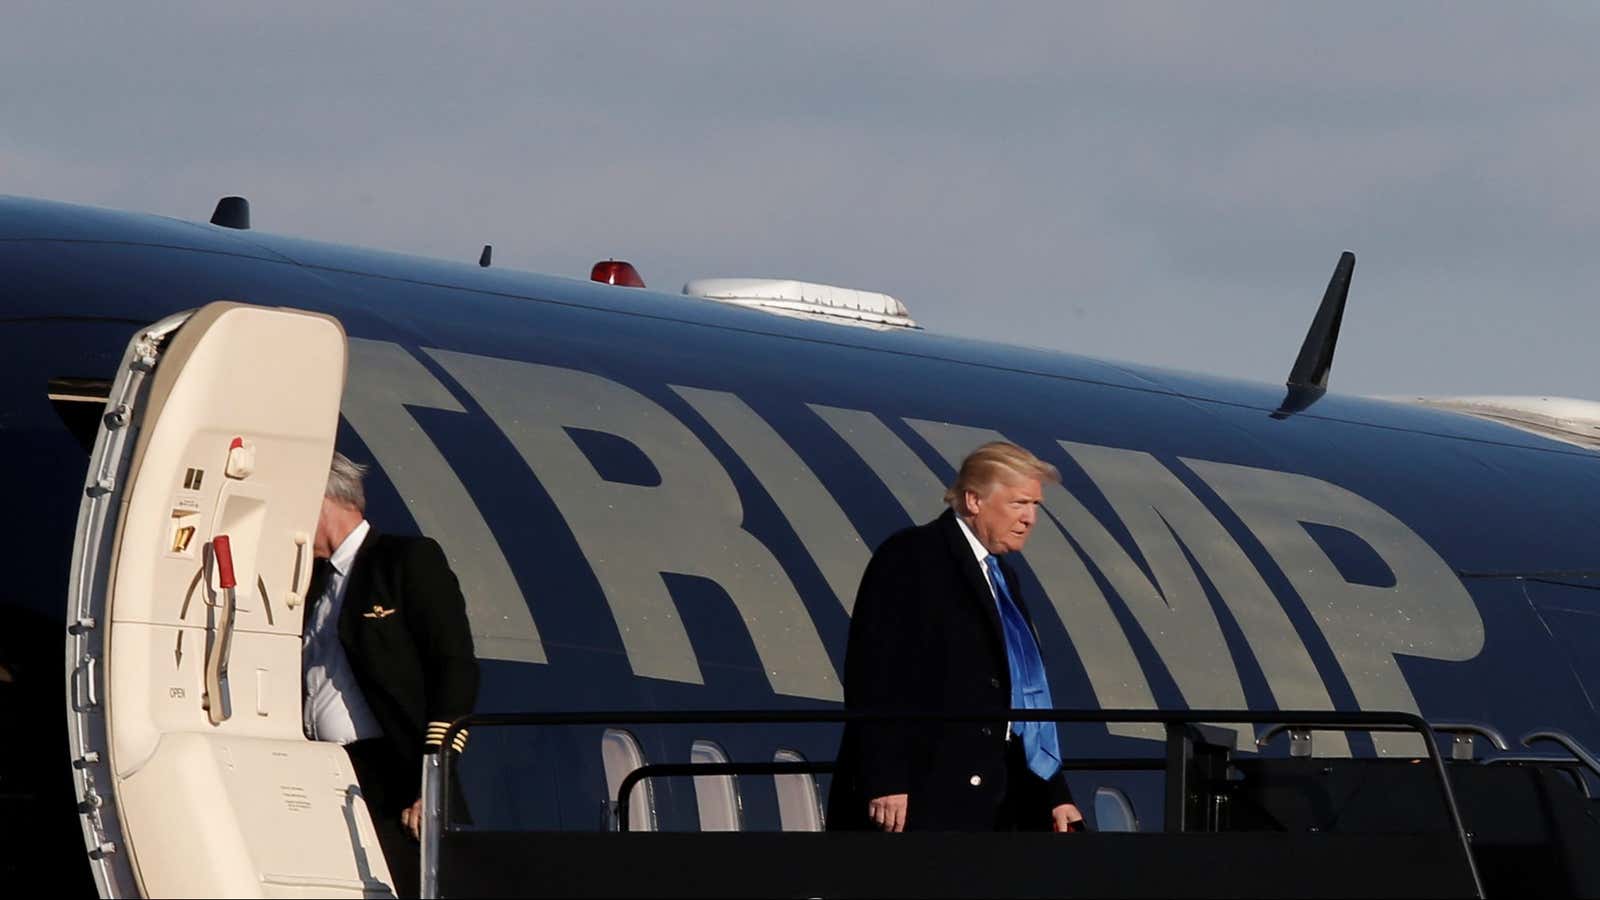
<point>617,272</point>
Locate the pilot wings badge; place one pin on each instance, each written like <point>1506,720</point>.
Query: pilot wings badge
<point>378,612</point>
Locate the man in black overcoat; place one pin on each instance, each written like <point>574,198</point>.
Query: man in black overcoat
<point>939,625</point>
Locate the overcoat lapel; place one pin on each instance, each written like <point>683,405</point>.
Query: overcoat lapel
<point>977,582</point>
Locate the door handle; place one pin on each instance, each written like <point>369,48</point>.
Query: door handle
<point>216,702</point>
<point>302,570</point>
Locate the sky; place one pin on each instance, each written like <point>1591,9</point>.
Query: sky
<point>1159,183</point>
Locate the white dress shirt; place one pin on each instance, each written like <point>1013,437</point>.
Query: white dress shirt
<point>334,708</point>
<point>982,553</point>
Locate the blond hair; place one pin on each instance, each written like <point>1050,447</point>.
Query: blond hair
<point>994,462</point>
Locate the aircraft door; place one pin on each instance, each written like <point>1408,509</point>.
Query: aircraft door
<point>194,548</point>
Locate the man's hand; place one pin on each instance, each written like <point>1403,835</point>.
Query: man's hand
<point>888,812</point>
<point>412,819</point>
<point>1065,816</point>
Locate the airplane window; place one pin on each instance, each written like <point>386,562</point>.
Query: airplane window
<point>1355,559</point>
<point>1113,811</point>
<point>80,402</point>
<point>798,806</point>
<point>615,458</point>
<point>621,754</point>
<point>716,795</point>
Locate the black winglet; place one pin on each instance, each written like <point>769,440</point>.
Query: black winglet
<point>1308,380</point>
<point>1316,354</point>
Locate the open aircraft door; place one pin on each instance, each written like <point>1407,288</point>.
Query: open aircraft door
<point>194,549</point>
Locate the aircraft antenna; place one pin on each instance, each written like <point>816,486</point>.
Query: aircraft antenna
<point>486,255</point>
<point>232,212</point>
<point>1308,379</point>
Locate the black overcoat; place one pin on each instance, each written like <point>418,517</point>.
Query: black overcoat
<point>925,635</point>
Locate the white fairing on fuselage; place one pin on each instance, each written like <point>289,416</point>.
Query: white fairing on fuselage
<point>1561,418</point>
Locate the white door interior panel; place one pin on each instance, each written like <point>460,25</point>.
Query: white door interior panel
<point>194,551</point>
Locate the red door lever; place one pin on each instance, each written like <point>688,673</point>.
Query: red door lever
<point>223,552</point>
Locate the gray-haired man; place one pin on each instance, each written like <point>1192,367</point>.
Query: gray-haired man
<point>388,659</point>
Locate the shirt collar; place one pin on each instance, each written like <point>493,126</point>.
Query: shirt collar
<point>346,554</point>
<point>978,550</point>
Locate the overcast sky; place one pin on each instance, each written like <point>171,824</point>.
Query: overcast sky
<point>1154,183</point>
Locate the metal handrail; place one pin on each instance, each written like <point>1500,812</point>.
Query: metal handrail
<point>1533,759</point>
<point>1478,728</point>
<point>1566,765</point>
<point>1453,728</point>
<point>708,769</point>
<point>1568,742</point>
<point>668,770</point>
<point>437,780</point>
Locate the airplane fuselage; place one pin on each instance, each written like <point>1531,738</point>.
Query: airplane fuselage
<point>655,501</point>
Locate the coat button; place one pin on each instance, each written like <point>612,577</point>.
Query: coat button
<point>986,731</point>
<point>994,682</point>
<point>975,780</point>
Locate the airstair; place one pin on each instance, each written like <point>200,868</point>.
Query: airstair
<point>1269,820</point>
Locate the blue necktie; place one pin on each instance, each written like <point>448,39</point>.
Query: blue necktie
<point>1029,687</point>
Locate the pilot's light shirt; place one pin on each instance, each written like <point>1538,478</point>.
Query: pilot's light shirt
<point>334,708</point>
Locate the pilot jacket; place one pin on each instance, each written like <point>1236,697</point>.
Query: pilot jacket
<point>925,636</point>
<point>404,630</point>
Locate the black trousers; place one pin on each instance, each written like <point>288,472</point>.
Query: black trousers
<point>390,785</point>
<point>1027,802</point>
